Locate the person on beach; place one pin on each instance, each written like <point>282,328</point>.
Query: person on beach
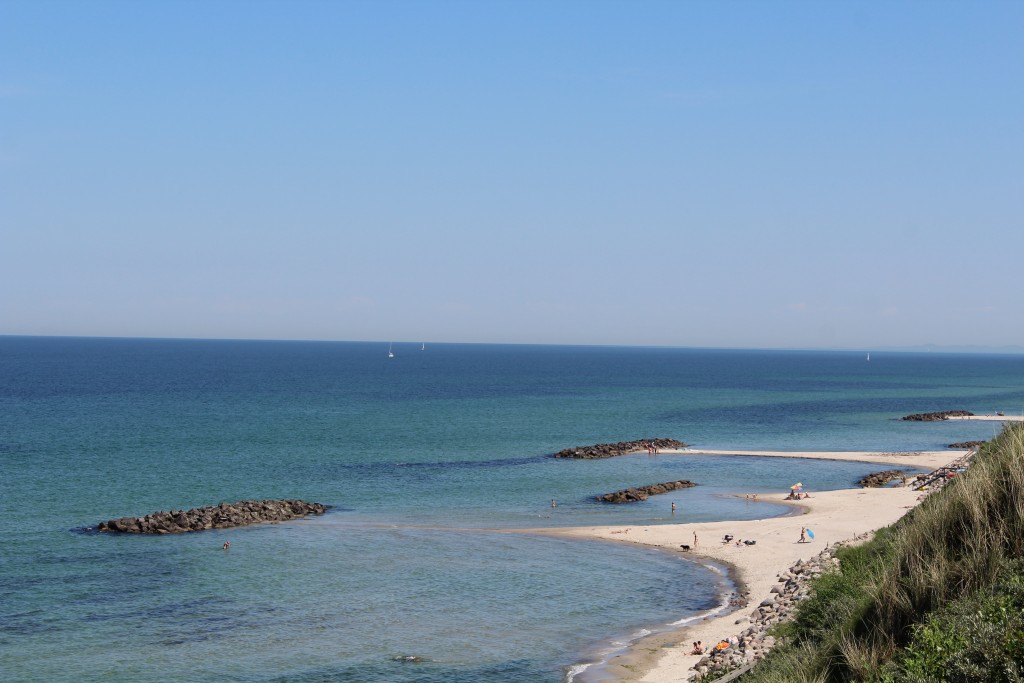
<point>694,539</point>
<point>696,649</point>
<point>803,535</point>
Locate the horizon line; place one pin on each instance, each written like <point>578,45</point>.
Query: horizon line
<point>914,348</point>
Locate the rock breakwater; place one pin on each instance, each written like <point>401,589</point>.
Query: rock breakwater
<point>935,417</point>
<point>966,444</point>
<point>610,450</point>
<point>632,495</point>
<point>223,516</point>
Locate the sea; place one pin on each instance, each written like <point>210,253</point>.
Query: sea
<point>429,566</point>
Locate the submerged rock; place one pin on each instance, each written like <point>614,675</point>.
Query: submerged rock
<point>223,516</point>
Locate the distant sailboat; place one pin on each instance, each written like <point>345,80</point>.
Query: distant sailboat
<point>869,356</point>
<point>390,352</point>
<point>424,347</point>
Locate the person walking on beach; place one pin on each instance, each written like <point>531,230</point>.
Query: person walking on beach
<point>803,535</point>
<point>694,539</point>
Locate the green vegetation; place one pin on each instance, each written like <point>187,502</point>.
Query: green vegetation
<point>938,596</point>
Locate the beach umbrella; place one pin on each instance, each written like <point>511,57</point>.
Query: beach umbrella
<point>797,486</point>
<point>810,533</point>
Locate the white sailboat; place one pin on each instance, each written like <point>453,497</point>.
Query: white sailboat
<point>391,354</point>
<point>424,347</point>
<point>869,355</point>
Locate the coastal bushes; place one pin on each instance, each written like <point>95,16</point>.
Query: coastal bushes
<point>977,638</point>
<point>936,596</point>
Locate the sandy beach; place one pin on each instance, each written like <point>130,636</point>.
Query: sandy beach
<point>833,516</point>
<point>992,418</point>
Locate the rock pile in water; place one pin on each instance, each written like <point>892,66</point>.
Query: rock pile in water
<point>644,492</point>
<point>610,450</point>
<point>966,444</point>
<point>753,643</point>
<point>878,479</point>
<point>223,516</point>
<point>934,417</point>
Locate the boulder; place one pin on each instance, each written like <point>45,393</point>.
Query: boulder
<point>879,479</point>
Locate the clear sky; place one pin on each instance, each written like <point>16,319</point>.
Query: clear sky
<point>743,174</point>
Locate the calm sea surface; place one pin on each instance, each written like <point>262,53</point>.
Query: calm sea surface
<point>426,457</point>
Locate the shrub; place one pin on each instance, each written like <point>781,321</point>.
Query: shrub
<point>976,638</point>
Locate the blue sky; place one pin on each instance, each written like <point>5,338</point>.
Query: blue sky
<point>742,174</point>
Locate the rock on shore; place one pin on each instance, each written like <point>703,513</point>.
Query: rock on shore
<point>879,479</point>
<point>223,516</point>
<point>644,492</point>
<point>966,444</point>
<point>610,450</point>
<point>754,642</point>
<point>934,417</point>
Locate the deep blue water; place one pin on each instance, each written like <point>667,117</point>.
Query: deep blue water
<point>423,456</point>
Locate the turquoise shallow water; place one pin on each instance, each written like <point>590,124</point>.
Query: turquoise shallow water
<point>421,455</point>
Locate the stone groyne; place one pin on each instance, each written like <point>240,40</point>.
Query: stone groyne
<point>610,450</point>
<point>223,516</point>
<point>935,417</point>
<point>632,495</point>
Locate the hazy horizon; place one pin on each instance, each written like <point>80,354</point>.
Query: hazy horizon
<point>399,344</point>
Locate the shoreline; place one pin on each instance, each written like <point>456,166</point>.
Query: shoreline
<point>834,516</point>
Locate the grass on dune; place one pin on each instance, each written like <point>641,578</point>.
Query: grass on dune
<point>937,596</point>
